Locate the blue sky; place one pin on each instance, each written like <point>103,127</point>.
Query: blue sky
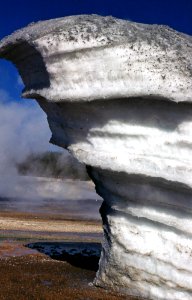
<point>18,13</point>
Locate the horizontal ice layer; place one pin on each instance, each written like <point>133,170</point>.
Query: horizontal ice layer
<point>150,242</point>
<point>83,58</point>
<point>136,136</point>
<point>140,153</point>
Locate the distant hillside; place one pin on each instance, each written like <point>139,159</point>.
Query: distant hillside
<point>53,164</point>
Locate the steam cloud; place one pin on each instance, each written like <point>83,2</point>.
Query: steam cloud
<point>23,130</point>
<point>23,133</point>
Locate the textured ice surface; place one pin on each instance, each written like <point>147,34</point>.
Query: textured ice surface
<point>118,95</point>
<point>90,57</point>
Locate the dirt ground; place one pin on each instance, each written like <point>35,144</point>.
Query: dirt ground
<point>50,255</point>
<point>32,268</point>
<point>22,224</point>
<point>37,277</point>
<point>28,274</point>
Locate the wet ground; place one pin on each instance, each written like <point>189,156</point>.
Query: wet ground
<point>51,254</point>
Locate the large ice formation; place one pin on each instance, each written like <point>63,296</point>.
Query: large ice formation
<point>118,95</point>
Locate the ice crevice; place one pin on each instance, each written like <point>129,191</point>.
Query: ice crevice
<point>118,96</point>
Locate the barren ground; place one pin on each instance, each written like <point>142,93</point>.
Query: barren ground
<point>50,255</point>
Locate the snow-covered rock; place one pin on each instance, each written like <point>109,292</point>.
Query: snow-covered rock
<point>118,95</point>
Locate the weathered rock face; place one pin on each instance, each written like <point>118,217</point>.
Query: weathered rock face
<point>118,95</point>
